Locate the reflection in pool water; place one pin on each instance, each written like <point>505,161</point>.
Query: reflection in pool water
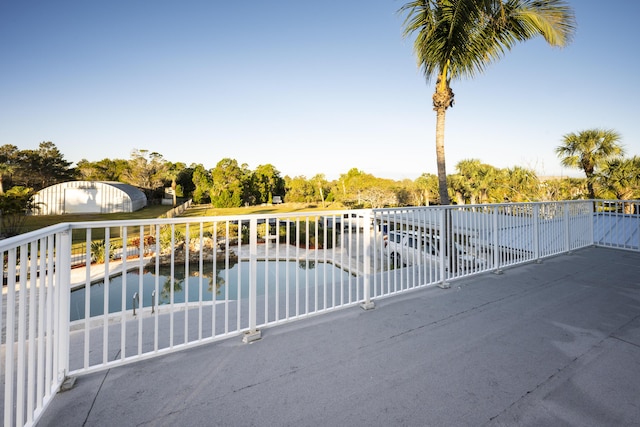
<point>198,287</point>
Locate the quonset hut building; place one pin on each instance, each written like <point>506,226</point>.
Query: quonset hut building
<point>88,197</point>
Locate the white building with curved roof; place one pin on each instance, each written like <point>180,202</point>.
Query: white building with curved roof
<point>88,197</point>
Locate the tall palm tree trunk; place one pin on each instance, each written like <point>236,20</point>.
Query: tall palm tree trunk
<point>590,178</point>
<point>442,169</point>
<point>443,99</point>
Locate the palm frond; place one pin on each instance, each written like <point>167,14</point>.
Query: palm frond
<point>464,36</point>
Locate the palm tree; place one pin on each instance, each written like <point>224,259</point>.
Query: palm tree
<point>482,179</point>
<point>563,189</point>
<point>426,185</point>
<point>523,184</point>
<point>458,186</point>
<point>459,38</point>
<point>622,178</point>
<point>589,150</point>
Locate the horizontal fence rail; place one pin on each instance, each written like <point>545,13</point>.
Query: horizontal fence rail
<point>83,297</point>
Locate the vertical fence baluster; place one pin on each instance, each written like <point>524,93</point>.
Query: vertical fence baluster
<point>367,304</point>
<point>87,296</point>
<point>105,304</point>
<point>253,333</point>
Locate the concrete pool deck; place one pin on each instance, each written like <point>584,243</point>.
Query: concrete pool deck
<point>556,343</point>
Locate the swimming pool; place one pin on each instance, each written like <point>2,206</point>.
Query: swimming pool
<point>201,285</point>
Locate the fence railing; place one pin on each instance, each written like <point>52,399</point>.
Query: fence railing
<point>168,284</point>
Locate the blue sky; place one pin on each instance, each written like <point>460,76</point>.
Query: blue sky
<point>310,87</point>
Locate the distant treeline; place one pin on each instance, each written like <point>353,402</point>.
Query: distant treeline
<point>230,184</point>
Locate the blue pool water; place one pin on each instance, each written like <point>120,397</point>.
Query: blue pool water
<point>224,281</point>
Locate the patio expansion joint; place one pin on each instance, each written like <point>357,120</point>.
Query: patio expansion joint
<point>442,320</point>
<point>625,341</point>
<point>95,397</point>
<point>615,337</point>
<point>563,373</point>
<point>560,375</point>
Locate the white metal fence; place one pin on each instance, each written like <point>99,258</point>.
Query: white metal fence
<point>149,287</point>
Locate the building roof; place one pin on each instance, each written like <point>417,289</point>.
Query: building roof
<point>134,193</point>
<point>114,197</point>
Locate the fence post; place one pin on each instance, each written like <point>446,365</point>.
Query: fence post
<point>10,338</point>
<point>496,241</point>
<point>63,273</point>
<point>367,304</point>
<point>536,232</point>
<point>636,210</point>
<point>252,334</point>
<point>444,236</point>
<point>567,242</point>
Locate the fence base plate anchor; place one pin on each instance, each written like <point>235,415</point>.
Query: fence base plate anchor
<point>444,285</point>
<point>68,384</point>
<point>250,336</point>
<point>498,271</point>
<point>368,305</point>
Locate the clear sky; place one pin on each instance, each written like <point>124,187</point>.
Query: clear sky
<point>308,86</point>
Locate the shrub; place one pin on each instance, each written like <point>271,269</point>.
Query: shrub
<point>98,251</point>
<point>165,237</point>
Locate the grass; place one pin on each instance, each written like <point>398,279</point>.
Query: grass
<point>79,236</point>
<point>37,222</point>
<point>207,210</point>
<point>40,221</point>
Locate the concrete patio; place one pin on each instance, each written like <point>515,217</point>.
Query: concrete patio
<point>556,343</point>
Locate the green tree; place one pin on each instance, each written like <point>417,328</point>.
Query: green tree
<point>379,195</point>
<point>15,205</point>
<point>621,177</point>
<point>227,187</point>
<point>8,156</point>
<point>267,182</point>
<point>321,184</point>
<point>172,172</point>
<point>357,189</point>
<point>349,187</point>
<point>427,187</point>
<point>407,193</point>
<point>563,189</point>
<point>459,188</point>
<point>522,185</point>
<point>459,38</point>
<point>102,170</point>
<point>184,181</point>
<point>478,180</point>
<point>147,170</point>
<point>589,150</point>
<point>5,169</point>
<point>41,168</point>
<point>202,183</point>
<point>299,190</point>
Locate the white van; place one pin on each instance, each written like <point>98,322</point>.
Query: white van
<point>407,248</point>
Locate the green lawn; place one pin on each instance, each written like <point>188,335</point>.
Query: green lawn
<point>207,210</point>
<point>41,221</point>
<point>79,236</point>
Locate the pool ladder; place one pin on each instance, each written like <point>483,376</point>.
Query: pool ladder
<point>136,302</point>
